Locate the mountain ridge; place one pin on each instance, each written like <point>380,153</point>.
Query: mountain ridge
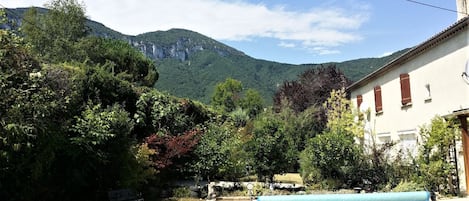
<point>191,64</point>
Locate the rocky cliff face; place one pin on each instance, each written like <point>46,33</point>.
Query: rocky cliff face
<point>180,50</point>
<point>178,44</point>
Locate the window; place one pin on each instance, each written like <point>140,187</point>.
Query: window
<point>405,89</point>
<point>429,94</point>
<point>408,142</point>
<point>378,99</point>
<point>359,101</point>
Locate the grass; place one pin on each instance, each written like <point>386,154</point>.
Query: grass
<point>182,199</point>
<point>283,178</point>
<point>289,178</point>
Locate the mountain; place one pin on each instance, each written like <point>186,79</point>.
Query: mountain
<point>191,64</point>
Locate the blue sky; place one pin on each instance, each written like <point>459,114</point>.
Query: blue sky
<point>287,31</point>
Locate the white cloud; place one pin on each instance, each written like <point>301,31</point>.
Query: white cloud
<point>323,51</point>
<point>228,20</point>
<point>287,45</point>
<point>385,54</point>
<point>23,3</point>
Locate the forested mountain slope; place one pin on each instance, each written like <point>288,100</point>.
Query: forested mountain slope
<point>190,64</point>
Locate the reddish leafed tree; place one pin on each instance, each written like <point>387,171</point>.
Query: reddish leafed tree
<point>313,87</point>
<point>172,148</point>
<point>291,94</point>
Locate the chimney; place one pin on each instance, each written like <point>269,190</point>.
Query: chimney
<point>463,8</point>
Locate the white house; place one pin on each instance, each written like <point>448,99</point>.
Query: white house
<point>430,79</point>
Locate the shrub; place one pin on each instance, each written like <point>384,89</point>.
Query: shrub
<point>435,171</point>
<point>181,192</point>
<point>408,186</point>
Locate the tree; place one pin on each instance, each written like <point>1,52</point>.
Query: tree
<point>252,102</point>
<point>340,115</point>
<point>54,33</point>
<point>29,123</point>
<point>218,153</point>
<point>227,95</point>
<point>270,149</point>
<point>97,126</point>
<point>55,146</point>
<point>293,95</point>
<point>333,155</point>
<point>167,115</point>
<point>173,151</point>
<point>299,128</point>
<point>434,170</point>
<point>120,58</point>
<point>103,87</point>
<point>59,35</point>
<point>311,89</point>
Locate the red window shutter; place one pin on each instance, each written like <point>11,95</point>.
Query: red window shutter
<point>359,100</point>
<point>405,89</point>
<point>378,100</point>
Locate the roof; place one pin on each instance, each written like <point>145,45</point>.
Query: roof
<point>415,51</point>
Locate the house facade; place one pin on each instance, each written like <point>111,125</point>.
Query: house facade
<point>428,80</point>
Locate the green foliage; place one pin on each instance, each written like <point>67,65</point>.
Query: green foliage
<point>54,33</point>
<point>196,77</point>
<point>120,58</point>
<point>96,126</point>
<point>101,86</point>
<point>358,68</point>
<point>34,115</point>
<point>380,169</point>
<point>340,116</point>
<point>408,186</point>
<point>329,156</point>
<point>227,95</point>
<point>272,152</point>
<point>54,146</point>
<point>59,35</point>
<point>218,153</point>
<point>101,141</point>
<point>239,116</point>
<point>3,16</point>
<point>252,102</point>
<point>182,192</point>
<point>145,171</point>
<point>24,97</point>
<point>229,98</point>
<point>306,126</point>
<point>333,155</point>
<point>164,114</point>
<point>434,170</point>
<point>275,140</point>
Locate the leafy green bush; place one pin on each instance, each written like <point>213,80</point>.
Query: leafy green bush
<point>408,186</point>
<point>181,192</point>
<point>333,155</point>
<point>434,169</point>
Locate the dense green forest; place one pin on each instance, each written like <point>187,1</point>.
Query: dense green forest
<point>79,117</point>
<point>200,62</point>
